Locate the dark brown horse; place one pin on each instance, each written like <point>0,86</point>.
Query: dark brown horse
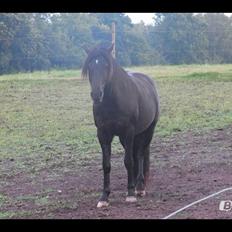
<point>125,105</point>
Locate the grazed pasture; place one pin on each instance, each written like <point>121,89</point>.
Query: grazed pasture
<point>47,132</point>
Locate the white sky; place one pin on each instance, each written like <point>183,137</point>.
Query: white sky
<point>147,17</point>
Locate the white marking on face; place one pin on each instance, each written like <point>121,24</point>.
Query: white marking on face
<point>96,61</point>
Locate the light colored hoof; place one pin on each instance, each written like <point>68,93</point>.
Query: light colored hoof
<point>131,199</point>
<point>141,193</point>
<point>101,204</point>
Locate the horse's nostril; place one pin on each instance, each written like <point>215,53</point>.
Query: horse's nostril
<point>97,96</point>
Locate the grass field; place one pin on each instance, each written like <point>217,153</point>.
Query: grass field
<point>46,118</point>
<point>51,113</point>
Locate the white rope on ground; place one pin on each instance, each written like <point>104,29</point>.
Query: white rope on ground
<point>195,202</point>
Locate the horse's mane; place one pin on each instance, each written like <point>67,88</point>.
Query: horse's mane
<point>99,50</point>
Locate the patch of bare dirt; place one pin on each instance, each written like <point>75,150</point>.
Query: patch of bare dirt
<point>184,168</point>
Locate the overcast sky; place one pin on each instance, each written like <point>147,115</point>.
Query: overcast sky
<point>146,17</point>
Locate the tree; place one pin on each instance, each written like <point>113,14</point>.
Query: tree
<point>40,41</point>
<point>8,27</point>
<point>180,38</point>
<point>219,35</point>
<point>139,49</point>
<point>123,24</point>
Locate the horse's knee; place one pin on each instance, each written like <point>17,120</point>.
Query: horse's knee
<point>106,168</point>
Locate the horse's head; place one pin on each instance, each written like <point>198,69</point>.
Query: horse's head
<point>99,68</point>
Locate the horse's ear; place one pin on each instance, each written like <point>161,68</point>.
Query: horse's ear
<point>110,49</point>
<point>87,50</point>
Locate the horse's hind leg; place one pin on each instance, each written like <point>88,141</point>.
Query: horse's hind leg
<point>143,155</point>
<point>146,165</point>
<point>135,155</point>
<point>135,149</point>
<point>140,183</point>
<point>138,153</point>
<point>128,144</point>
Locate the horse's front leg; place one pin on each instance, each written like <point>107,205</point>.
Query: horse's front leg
<point>105,141</point>
<point>129,163</point>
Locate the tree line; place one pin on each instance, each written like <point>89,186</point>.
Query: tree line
<point>43,41</point>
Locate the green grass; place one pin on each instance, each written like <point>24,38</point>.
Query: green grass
<point>51,74</point>
<point>46,119</point>
<point>51,114</point>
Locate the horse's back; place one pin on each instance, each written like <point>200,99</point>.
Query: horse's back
<point>148,100</point>
<point>140,76</point>
<point>145,86</point>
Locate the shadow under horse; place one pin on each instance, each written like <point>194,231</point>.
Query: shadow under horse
<point>125,104</point>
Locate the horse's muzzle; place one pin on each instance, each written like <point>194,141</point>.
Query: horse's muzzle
<point>97,96</point>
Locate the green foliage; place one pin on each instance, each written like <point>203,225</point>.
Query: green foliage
<point>180,38</point>
<point>44,41</point>
<point>219,36</point>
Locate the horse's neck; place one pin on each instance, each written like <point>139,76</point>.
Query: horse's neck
<point>119,77</point>
<point>119,82</point>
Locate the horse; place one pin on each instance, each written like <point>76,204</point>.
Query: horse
<point>125,104</point>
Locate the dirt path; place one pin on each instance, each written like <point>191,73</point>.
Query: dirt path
<point>184,168</point>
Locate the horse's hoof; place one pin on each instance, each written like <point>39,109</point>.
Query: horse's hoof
<point>140,193</point>
<point>131,199</point>
<point>101,204</point>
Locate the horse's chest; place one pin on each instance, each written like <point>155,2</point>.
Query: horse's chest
<point>111,120</point>
<point>116,127</point>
